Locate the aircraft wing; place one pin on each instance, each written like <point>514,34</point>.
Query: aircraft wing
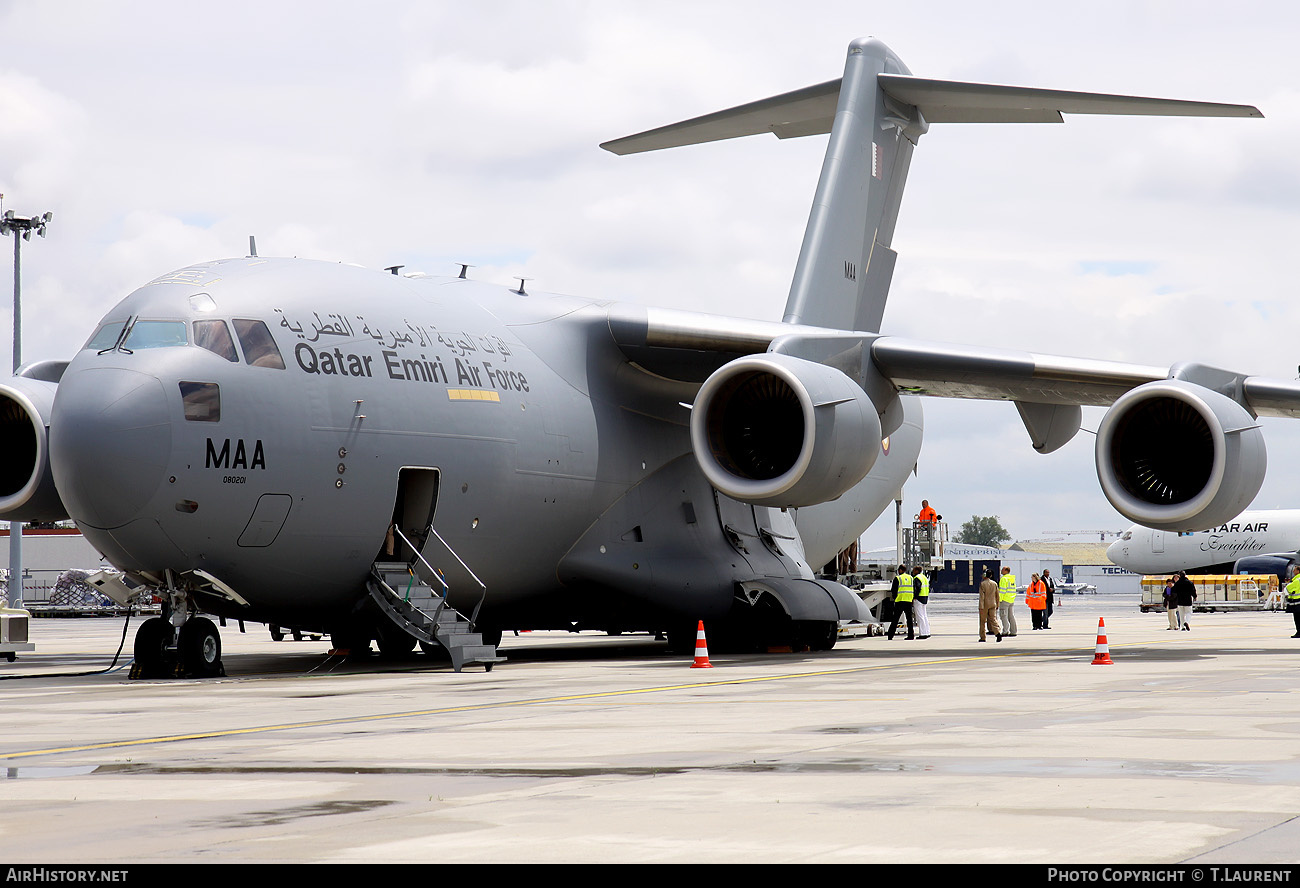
<point>691,345</point>
<point>962,371</point>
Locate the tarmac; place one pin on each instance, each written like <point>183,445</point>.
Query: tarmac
<point>594,749</point>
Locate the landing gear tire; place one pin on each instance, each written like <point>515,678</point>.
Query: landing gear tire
<point>200,648</point>
<point>393,641</point>
<point>816,635</point>
<point>152,660</point>
<point>681,637</point>
<point>355,643</point>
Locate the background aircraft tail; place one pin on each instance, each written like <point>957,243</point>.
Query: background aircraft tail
<point>875,114</point>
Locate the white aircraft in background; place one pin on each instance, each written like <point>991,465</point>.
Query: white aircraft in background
<point>1253,542</point>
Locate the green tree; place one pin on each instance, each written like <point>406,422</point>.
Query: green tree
<point>982,531</point>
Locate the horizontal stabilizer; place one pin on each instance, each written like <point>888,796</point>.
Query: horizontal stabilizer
<point>952,101</point>
<point>811,111</point>
<point>804,112</point>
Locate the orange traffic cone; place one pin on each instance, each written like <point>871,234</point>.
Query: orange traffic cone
<point>1102,657</point>
<point>701,650</point>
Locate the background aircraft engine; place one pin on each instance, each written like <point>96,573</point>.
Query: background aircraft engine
<point>775,430</point>
<point>27,490</point>
<point>1177,456</point>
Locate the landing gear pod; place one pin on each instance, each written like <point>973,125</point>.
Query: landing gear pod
<point>775,430</point>
<point>1177,456</point>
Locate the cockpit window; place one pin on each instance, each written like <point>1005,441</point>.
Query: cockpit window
<point>106,336</point>
<point>154,334</point>
<point>215,337</point>
<point>259,348</point>
<point>202,401</point>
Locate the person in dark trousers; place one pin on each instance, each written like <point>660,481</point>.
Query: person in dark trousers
<point>1051,598</point>
<point>1293,601</point>
<point>1185,592</point>
<point>1171,603</point>
<point>904,584</point>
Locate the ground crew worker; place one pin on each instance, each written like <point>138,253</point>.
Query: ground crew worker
<point>921,584</point>
<point>927,515</point>
<point>903,603</point>
<point>1293,601</point>
<point>927,519</point>
<point>1036,598</point>
<point>1006,601</point>
<point>989,606</point>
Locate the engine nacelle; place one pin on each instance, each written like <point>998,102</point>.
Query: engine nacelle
<point>775,430</point>
<point>1177,456</point>
<point>27,490</point>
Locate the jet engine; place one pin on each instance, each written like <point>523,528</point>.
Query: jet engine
<point>27,490</point>
<point>1177,456</point>
<point>775,430</point>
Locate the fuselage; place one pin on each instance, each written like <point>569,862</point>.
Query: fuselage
<point>253,419</point>
<point>1264,532</point>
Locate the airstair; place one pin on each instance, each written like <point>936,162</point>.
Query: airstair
<point>423,613</point>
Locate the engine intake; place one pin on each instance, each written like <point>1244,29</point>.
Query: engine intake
<point>775,430</point>
<point>27,491</point>
<point>1177,456</point>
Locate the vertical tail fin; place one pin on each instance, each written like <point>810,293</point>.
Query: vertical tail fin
<point>875,115</point>
<point>846,262</point>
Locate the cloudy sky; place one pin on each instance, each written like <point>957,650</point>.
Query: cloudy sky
<point>430,133</point>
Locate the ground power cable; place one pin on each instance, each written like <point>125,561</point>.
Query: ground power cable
<point>109,668</point>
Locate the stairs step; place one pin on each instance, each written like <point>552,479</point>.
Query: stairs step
<point>422,613</point>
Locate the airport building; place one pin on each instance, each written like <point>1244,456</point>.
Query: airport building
<point>47,552</point>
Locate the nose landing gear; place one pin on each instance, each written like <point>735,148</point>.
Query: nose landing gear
<point>194,651</point>
<point>179,644</point>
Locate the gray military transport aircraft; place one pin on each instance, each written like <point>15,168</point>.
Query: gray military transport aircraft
<point>327,448</point>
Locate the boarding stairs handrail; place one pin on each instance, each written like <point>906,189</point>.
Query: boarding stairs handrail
<point>473,617</point>
<point>442,599</point>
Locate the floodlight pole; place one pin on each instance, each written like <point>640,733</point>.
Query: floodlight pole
<point>21,227</point>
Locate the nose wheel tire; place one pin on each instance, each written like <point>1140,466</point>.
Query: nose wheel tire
<point>152,659</point>
<point>200,648</point>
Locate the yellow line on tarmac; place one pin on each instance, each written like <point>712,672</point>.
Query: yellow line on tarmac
<point>568,698</point>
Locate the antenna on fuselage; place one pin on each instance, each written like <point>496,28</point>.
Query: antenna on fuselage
<point>464,267</point>
<point>394,269</point>
<point>252,247</point>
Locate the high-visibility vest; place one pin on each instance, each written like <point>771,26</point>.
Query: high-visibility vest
<point>904,589</point>
<point>923,590</point>
<point>1007,588</point>
<point>1036,595</point>
<point>1293,590</point>
<point>927,516</point>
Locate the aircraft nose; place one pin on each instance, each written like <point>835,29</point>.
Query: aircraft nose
<point>110,441</point>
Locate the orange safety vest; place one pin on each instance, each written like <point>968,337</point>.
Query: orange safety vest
<point>927,515</point>
<point>1036,595</point>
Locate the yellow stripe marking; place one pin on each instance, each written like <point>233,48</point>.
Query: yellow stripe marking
<point>472,395</point>
<point>568,698</point>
